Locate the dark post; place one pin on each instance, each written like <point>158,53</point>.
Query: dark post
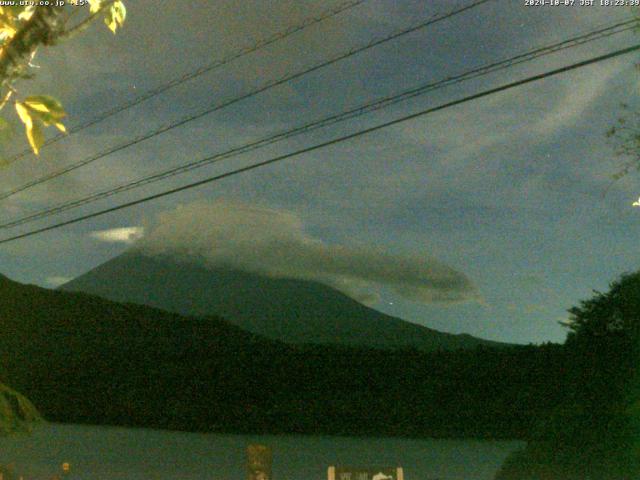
<point>259,459</point>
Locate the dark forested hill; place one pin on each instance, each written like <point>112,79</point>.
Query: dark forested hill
<point>83,359</point>
<point>293,311</point>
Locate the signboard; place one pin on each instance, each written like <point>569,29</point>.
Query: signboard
<point>365,473</point>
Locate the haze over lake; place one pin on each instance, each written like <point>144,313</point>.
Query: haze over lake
<point>132,454</point>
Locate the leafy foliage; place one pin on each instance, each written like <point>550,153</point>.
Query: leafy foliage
<point>115,16</point>
<point>38,111</point>
<point>625,138</point>
<point>115,12</point>
<point>22,30</point>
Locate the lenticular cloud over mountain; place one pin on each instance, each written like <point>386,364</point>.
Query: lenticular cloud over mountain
<point>119,235</point>
<point>274,243</point>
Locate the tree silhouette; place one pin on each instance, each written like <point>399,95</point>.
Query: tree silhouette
<point>595,432</point>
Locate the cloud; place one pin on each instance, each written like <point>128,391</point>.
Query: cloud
<point>274,242</point>
<point>56,281</point>
<point>526,116</point>
<point>573,103</point>
<point>119,235</point>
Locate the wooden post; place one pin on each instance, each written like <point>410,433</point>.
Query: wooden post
<point>259,460</point>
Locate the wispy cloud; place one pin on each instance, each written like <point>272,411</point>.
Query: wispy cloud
<point>275,243</point>
<point>119,235</point>
<point>527,116</point>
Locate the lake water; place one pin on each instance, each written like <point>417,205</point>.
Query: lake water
<point>133,454</point>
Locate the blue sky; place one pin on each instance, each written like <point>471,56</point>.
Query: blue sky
<point>506,191</point>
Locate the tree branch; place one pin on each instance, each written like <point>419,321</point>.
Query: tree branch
<point>43,28</point>
<point>87,21</point>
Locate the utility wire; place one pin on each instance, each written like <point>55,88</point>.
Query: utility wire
<point>276,37</point>
<point>333,119</point>
<point>334,141</point>
<point>216,107</point>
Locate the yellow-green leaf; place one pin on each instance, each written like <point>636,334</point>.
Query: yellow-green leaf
<point>7,32</point>
<point>116,16</point>
<point>41,107</point>
<point>45,104</point>
<point>120,12</point>
<point>20,13</point>
<point>33,129</point>
<point>27,13</point>
<point>48,121</point>
<point>36,137</point>
<point>23,113</point>
<point>111,24</point>
<point>95,5</point>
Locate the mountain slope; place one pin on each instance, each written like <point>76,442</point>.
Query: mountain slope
<point>293,311</point>
<point>83,359</point>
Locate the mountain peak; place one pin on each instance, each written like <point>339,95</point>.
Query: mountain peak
<point>284,309</point>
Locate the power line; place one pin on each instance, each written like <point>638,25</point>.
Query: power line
<point>334,141</point>
<point>333,119</point>
<point>276,37</point>
<point>216,107</point>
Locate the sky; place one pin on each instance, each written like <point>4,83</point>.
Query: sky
<point>490,218</point>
